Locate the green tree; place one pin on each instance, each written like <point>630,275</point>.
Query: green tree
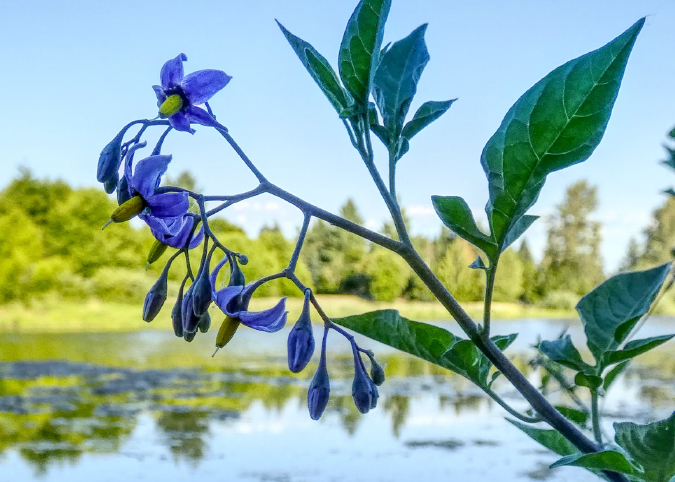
<point>387,273</point>
<point>529,273</point>
<point>572,260</point>
<point>510,277</point>
<point>660,236</point>
<point>632,258</point>
<point>465,283</point>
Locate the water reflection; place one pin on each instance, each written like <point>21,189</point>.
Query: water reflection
<point>121,394</point>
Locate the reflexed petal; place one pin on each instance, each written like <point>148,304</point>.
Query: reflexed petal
<point>223,297</point>
<point>163,226</point>
<point>147,174</point>
<point>214,275</point>
<point>159,92</point>
<point>200,86</point>
<point>181,123</point>
<point>197,237</point>
<point>200,116</point>
<point>168,205</point>
<point>270,320</point>
<point>172,72</point>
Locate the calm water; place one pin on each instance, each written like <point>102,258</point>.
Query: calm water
<point>148,406</point>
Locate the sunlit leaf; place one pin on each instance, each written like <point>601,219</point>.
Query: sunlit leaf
<point>551,439</point>
<point>360,47</point>
<point>425,115</point>
<point>320,70</point>
<point>616,305</point>
<point>608,460</point>
<point>557,123</point>
<point>652,446</point>
<point>517,230</point>
<point>455,214</point>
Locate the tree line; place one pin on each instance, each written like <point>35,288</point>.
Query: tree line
<point>52,244</point>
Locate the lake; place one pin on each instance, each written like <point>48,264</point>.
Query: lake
<point>147,406</point>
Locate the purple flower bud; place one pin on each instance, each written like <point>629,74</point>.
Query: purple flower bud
<point>376,371</point>
<point>123,191</point>
<point>301,340</point>
<point>156,297</point>
<point>204,322</point>
<point>319,389</point>
<point>187,313</point>
<point>111,158</point>
<point>364,391</point>
<point>176,315</point>
<point>111,183</point>
<point>189,336</point>
<point>201,298</point>
<point>243,259</point>
<point>237,277</point>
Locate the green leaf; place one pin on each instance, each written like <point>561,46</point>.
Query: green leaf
<point>551,439</point>
<point>428,342</point>
<point>589,381</point>
<point>617,304</point>
<point>425,115</point>
<point>613,373</point>
<point>517,230</point>
<point>652,446</point>
<point>396,77</point>
<point>320,70</point>
<point>478,264</point>
<point>360,47</point>
<point>574,415</point>
<point>564,352</point>
<point>381,133</point>
<point>555,124</point>
<point>635,348</point>
<point>609,460</point>
<point>455,214</point>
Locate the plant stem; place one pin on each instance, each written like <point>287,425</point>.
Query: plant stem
<point>490,274</point>
<point>298,245</point>
<point>392,174</point>
<point>595,416</point>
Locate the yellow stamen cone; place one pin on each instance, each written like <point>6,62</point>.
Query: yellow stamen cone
<point>226,332</point>
<point>127,210</point>
<point>170,106</point>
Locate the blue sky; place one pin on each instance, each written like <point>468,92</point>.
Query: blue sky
<point>74,72</point>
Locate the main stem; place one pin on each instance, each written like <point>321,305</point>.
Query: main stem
<point>491,273</point>
<point>595,416</point>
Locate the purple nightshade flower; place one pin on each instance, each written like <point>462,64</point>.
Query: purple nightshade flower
<point>165,212</point>
<point>319,389</point>
<point>364,391</point>
<point>233,301</point>
<point>301,340</point>
<point>179,95</point>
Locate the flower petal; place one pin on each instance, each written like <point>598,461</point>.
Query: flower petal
<point>200,86</point>
<point>214,275</point>
<point>169,205</point>
<point>197,237</point>
<point>170,227</point>
<point>223,297</point>
<point>270,320</point>
<point>200,116</point>
<point>159,92</point>
<point>172,72</point>
<point>180,122</point>
<point>147,174</point>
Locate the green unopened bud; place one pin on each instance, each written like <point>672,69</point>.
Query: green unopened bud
<point>243,259</point>
<point>170,106</point>
<point>156,252</point>
<point>226,332</point>
<point>126,211</point>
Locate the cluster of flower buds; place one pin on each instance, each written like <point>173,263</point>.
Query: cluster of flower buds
<point>165,209</point>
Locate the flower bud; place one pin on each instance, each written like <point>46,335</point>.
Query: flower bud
<point>237,277</point>
<point>204,322</point>
<point>111,158</point>
<point>376,371</point>
<point>189,336</point>
<point>187,313</point>
<point>156,297</point>
<point>226,331</point>
<point>243,259</point>
<point>176,318</point>
<point>319,389</point>
<point>301,340</point>
<point>111,183</point>
<point>156,251</point>
<point>202,289</point>
<point>123,191</point>
<point>364,391</point>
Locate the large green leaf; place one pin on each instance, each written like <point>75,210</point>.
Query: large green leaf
<point>564,352</point>
<point>652,446</point>
<point>551,439</point>
<point>635,348</point>
<point>616,305</point>
<point>396,77</point>
<point>360,47</point>
<point>613,374</point>
<point>517,230</point>
<point>455,214</point>
<point>320,70</point>
<point>608,460</point>
<point>428,342</point>
<point>555,124</point>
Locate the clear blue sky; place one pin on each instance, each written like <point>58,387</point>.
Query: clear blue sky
<point>74,72</point>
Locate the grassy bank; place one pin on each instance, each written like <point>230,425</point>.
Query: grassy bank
<point>54,315</point>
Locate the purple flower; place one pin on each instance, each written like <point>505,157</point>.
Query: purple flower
<point>234,300</point>
<point>164,212</point>
<point>179,95</point>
